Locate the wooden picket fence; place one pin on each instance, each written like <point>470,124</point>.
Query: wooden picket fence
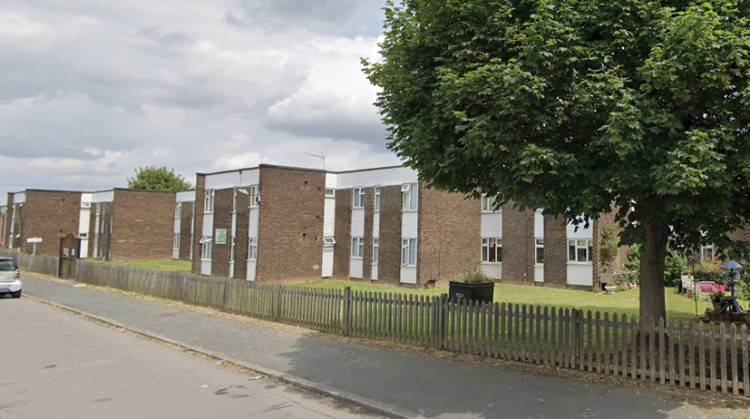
<point>706,356</point>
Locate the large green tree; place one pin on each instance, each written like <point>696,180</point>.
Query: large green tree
<point>573,105</point>
<point>158,179</point>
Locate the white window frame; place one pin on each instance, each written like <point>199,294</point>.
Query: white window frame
<point>707,252</point>
<point>488,204</point>
<point>254,196</point>
<point>576,246</point>
<point>375,250</point>
<point>178,210</point>
<point>329,241</point>
<point>492,250</point>
<point>408,252</point>
<point>358,198</point>
<point>539,245</point>
<point>208,201</point>
<point>410,197</point>
<point>176,241</point>
<point>206,248</point>
<point>376,199</point>
<point>252,248</point>
<point>330,193</point>
<point>358,247</point>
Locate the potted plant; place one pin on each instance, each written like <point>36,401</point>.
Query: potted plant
<point>473,285</point>
<point>716,300</point>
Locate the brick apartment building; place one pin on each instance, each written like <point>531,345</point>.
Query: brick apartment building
<point>118,223</point>
<point>274,223</point>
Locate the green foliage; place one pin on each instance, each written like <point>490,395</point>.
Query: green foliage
<point>673,266</point>
<point>608,247</point>
<point>158,179</point>
<point>473,274</point>
<point>573,105</point>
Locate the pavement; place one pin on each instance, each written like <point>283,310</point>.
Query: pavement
<point>387,381</point>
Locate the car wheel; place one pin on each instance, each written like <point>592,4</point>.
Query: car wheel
<point>16,294</point>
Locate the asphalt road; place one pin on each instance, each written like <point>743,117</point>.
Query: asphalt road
<point>56,365</point>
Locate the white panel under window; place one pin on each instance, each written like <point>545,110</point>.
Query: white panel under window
<point>329,216</point>
<point>208,225</point>
<point>408,275</point>
<point>355,268</point>
<point>252,228</point>
<point>326,270</point>
<point>538,224</point>
<point>358,222</point>
<point>177,224</point>
<point>409,225</point>
<point>491,225</point>
<point>493,270</point>
<point>580,274</point>
<point>581,233</point>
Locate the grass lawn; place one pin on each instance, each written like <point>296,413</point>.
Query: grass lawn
<point>162,264</point>
<point>623,302</point>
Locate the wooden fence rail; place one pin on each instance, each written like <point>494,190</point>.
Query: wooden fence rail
<point>704,356</point>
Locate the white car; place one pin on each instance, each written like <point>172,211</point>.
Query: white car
<point>10,278</point>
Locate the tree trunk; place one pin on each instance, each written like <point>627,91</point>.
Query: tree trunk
<point>653,305</point>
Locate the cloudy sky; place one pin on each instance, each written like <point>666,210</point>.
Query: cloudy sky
<point>91,90</point>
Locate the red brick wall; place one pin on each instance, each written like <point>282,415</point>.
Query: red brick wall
<point>290,230</point>
<point>449,234</point>
<point>518,245</point>
<point>49,215</point>
<point>555,251</point>
<point>220,256</point>
<point>389,264</point>
<point>243,219</point>
<point>342,234</point>
<point>143,224</point>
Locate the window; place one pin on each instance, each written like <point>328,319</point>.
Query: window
<point>178,210</point>
<point>375,250</point>
<point>254,196</point>
<point>358,198</point>
<point>208,202</point>
<point>329,241</point>
<point>492,250</point>
<point>330,192</point>
<point>252,248</point>
<point>377,198</point>
<point>409,252</point>
<point>358,247</point>
<point>409,192</point>
<point>580,250</point>
<point>206,248</point>
<point>707,252</point>
<point>488,204</point>
<point>176,241</point>
<point>539,251</point>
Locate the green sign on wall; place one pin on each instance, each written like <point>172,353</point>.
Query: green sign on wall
<point>221,236</point>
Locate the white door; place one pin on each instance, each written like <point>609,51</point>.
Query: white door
<point>327,268</point>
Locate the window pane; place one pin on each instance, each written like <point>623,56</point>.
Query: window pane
<point>582,254</point>
<point>571,251</point>
<point>485,253</point>
<point>412,252</point>
<point>539,255</point>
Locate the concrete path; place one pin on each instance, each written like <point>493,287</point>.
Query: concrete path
<point>399,384</point>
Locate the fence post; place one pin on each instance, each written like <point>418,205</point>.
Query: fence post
<point>226,293</point>
<point>442,320</point>
<point>276,303</point>
<point>577,336</point>
<point>347,310</point>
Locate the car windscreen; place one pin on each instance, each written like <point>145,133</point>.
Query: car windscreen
<point>7,265</point>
